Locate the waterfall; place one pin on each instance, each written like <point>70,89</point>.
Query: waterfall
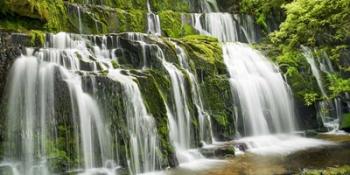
<point>203,117</point>
<point>79,20</point>
<point>314,68</point>
<point>225,26</point>
<point>34,97</point>
<point>179,117</point>
<point>209,6</point>
<point>264,96</point>
<point>153,22</point>
<point>330,112</point>
<point>31,101</point>
<point>142,130</point>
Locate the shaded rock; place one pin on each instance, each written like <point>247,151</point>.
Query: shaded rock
<point>221,151</point>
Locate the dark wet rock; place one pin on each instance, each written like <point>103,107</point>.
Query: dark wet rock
<point>221,151</point>
<point>229,5</point>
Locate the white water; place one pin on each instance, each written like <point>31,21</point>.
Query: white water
<point>32,96</point>
<point>209,6</point>
<point>205,129</point>
<point>220,25</point>
<point>265,101</point>
<point>153,22</point>
<point>314,68</point>
<point>32,87</point>
<point>142,130</point>
<point>179,115</point>
<point>329,111</point>
<point>79,20</point>
<point>225,26</point>
<point>281,144</point>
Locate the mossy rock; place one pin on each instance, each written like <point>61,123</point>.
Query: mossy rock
<point>51,12</point>
<point>172,25</point>
<point>154,84</point>
<point>345,123</point>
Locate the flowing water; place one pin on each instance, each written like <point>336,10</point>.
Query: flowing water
<point>33,120</point>
<point>205,128</point>
<point>179,115</point>
<point>142,130</point>
<point>225,26</point>
<point>265,102</point>
<point>329,111</point>
<point>32,100</point>
<point>314,68</point>
<point>153,22</point>
<point>264,97</point>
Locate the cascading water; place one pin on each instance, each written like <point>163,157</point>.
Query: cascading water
<point>203,117</point>
<point>330,112</point>
<point>178,115</point>
<point>209,5</point>
<point>32,91</point>
<point>142,130</point>
<point>265,102</point>
<point>225,26</point>
<point>79,20</point>
<point>314,68</point>
<point>33,94</point>
<point>264,97</point>
<point>153,22</point>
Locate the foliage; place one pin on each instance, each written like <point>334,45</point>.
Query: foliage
<point>338,85</point>
<point>310,98</point>
<point>323,25</point>
<point>261,9</point>
<point>314,22</point>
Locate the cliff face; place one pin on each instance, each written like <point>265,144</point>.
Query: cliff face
<point>109,25</point>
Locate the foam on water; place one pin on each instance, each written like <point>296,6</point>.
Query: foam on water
<point>282,144</point>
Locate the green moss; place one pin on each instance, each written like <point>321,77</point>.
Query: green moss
<point>171,24</point>
<point>204,47</point>
<point>178,5</point>
<point>154,84</point>
<point>38,37</point>
<point>115,64</point>
<point>218,101</point>
<point>131,21</point>
<point>345,123</point>
<point>342,170</point>
<point>52,12</point>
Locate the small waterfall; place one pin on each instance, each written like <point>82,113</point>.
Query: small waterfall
<point>203,117</point>
<point>248,27</point>
<point>179,118</point>
<point>329,111</point>
<point>153,22</point>
<point>264,96</point>
<point>225,26</point>
<point>209,6</point>
<point>79,19</point>
<point>142,130</point>
<point>314,68</point>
